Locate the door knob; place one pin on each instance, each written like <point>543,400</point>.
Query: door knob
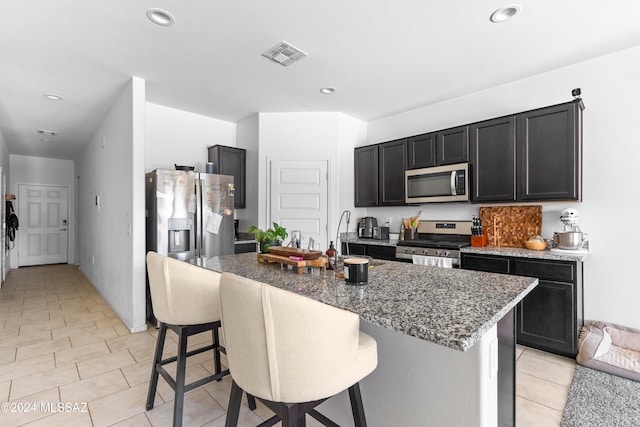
<point>63,229</point>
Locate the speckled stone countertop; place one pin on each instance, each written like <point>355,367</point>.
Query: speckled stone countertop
<point>387,242</point>
<point>525,253</point>
<point>450,307</point>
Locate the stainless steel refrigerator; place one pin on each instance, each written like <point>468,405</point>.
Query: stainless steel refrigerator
<point>189,215</point>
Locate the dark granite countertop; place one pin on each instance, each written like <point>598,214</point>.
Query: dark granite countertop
<point>450,307</point>
<point>525,253</point>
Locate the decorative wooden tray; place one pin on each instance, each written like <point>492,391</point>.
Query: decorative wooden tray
<point>272,258</point>
<point>511,226</point>
<point>287,252</point>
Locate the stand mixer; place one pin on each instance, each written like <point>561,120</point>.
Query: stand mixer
<point>571,239</point>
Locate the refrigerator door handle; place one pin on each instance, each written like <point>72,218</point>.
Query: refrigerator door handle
<point>198,218</point>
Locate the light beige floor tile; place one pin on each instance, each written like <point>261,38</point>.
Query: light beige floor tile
<point>101,364</point>
<point>94,388</point>
<point>7,356</point>
<point>139,420</point>
<point>147,351</point>
<point>78,354</point>
<point>5,387</point>
<point>83,317</point>
<point>77,417</point>
<point>519,350</point>
<point>541,391</point>
<point>44,380</point>
<point>11,331</point>
<point>36,403</point>
<point>555,358</point>
<point>68,331</point>
<point>544,369</point>
<point>23,368</point>
<point>199,408</point>
<point>27,352</point>
<point>31,327</point>
<point>89,337</point>
<point>128,402</point>
<point>24,340</point>
<point>220,391</point>
<point>532,414</point>
<point>131,340</point>
<point>137,373</point>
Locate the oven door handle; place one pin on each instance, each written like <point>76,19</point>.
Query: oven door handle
<point>454,182</point>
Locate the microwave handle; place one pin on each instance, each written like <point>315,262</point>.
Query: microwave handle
<point>454,183</point>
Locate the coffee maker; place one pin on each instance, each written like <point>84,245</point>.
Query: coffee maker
<point>366,226</point>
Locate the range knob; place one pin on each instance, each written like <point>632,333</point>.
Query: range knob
<point>425,251</point>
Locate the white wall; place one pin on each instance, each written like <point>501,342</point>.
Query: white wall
<point>311,136</point>
<point>180,137</point>
<point>6,169</point>
<point>611,160</point>
<point>247,137</point>
<point>44,171</point>
<point>111,245</point>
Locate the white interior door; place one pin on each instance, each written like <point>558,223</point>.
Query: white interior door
<point>299,198</point>
<point>42,215</point>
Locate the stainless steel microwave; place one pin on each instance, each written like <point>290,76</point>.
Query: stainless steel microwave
<point>448,183</point>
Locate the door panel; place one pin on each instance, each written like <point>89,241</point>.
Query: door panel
<point>42,235</point>
<point>299,199</point>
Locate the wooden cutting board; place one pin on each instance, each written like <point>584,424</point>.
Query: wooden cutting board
<point>511,226</point>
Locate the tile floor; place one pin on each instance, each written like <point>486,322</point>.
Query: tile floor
<point>67,359</point>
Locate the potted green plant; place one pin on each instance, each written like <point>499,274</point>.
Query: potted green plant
<point>272,236</point>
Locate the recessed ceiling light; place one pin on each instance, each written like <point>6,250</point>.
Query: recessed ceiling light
<point>327,90</point>
<point>47,132</point>
<point>52,96</point>
<point>160,17</point>
<point>505,13</point>
<point>45,140</point>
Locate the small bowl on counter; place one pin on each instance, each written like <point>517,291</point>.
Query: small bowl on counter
<point>536,245</point>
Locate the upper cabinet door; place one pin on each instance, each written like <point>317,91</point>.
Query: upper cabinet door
<point>453,145</point>
<point>549,153</point>
<point>366,176</point>
<point>493,157</point>
<point>421,151</point>
<point>393,163</point>
<point>231,161</point>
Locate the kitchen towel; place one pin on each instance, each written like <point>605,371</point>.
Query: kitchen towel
<point>432,261</point>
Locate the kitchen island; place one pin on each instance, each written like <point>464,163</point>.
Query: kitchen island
<point>438,332</point>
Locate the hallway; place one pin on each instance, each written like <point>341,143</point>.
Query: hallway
<point>60,342</point>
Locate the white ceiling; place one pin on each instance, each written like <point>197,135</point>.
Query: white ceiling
<point>383,56</point>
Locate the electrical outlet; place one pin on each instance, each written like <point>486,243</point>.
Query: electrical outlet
<point>387,220</point>
<point>93,260</point>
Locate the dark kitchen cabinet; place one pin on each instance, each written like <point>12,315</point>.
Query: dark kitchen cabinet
<point>453,145</point>
<point>531,156</point>
<point>393,163</point>
<point>445,147</point>
<point>374,251</point>
<point>493,157</point>
<point>549,153</point>
<point>366,176</point>
<point>379,174</point>
<point>421,151</point>
<point>231,161</point>
<point>550,317</point>
<point>243,248</point>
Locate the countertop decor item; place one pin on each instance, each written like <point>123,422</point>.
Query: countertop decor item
<point>272,236</point>
<point>295,252</point>
<point>294,261</point>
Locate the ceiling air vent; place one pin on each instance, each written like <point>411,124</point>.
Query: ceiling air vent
<point>284,54</point>
<point>47,132</point>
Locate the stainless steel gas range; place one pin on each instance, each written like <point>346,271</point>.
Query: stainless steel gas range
<point>437,240</point>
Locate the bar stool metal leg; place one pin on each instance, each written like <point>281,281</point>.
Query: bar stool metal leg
<point>151,396</point>
<point>180,378</point>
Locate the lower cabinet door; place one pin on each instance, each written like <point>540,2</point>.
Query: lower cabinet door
<point>547,320</point>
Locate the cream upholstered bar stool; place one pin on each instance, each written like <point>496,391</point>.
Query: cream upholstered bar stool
<point>186,299</point>
<point>291,352</point>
